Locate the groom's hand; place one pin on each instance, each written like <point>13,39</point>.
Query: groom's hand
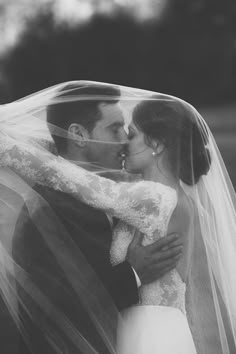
<point>153,261</point>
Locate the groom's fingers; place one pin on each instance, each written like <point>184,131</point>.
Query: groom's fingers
<point>168,241</point>
<point>170,253</point>
<point>166,270</point>
<point>168,263</point>
<point>160,269</point>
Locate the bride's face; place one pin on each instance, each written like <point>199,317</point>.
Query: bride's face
<point>139,157</point>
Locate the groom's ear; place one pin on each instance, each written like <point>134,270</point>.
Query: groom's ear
<point>78,134</point>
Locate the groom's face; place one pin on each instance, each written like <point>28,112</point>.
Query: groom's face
<point>110,133</point>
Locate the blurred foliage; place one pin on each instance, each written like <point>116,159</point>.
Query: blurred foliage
<point>190,53</point>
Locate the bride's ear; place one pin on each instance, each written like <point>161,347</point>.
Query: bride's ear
<point>78,134</point>
<point>158,147</point>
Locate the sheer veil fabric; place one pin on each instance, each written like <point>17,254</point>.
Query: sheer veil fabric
<point>29,159</point>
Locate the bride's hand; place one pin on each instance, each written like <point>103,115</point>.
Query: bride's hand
<point>153,261</point>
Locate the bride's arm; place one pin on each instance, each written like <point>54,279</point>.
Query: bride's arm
<point>136,203</point>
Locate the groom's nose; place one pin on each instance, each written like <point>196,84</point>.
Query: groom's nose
<point>124,137</point>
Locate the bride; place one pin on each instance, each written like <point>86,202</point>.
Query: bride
<point>181,186</point>
<point>167,148</point>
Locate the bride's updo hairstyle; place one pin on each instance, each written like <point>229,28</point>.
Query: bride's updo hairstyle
<point>178,129</point>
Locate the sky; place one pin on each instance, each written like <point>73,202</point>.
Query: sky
<point>13,14</point>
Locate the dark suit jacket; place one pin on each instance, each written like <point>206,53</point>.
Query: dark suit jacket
<point>89,230</point>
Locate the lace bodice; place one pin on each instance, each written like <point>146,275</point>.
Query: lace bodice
<point>170,289</point>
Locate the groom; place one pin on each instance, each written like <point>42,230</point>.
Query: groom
<point>90,230</point>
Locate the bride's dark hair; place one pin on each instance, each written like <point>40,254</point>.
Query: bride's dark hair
<point>170,122</point>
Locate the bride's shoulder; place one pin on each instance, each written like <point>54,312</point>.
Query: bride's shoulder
<point>183,212</point>
<point>157,190</point>
<point>154,197</point>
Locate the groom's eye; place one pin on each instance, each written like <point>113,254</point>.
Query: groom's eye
<point>130,135</point>
<point>115,129</point>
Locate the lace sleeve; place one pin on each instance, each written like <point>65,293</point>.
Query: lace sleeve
<point>138,204</point>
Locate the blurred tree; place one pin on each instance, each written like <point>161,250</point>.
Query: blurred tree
<point>189,54</point>
<point>204,15</point>
<point>103,49</point>
<point>202,33</point>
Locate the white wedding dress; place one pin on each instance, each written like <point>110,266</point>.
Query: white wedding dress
<point>158,324</point>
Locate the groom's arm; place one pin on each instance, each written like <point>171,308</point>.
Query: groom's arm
<point>119,280</point>
<point>29,252</point>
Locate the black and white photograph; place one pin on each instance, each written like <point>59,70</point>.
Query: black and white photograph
<point>117,177</point>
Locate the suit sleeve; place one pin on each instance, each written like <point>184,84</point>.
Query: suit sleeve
<point>30,253</point>
<point>29,250</point>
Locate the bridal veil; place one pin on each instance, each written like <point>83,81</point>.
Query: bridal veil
<point>26,146</point>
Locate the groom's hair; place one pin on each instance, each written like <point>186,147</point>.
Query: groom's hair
<point>75,106</point>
